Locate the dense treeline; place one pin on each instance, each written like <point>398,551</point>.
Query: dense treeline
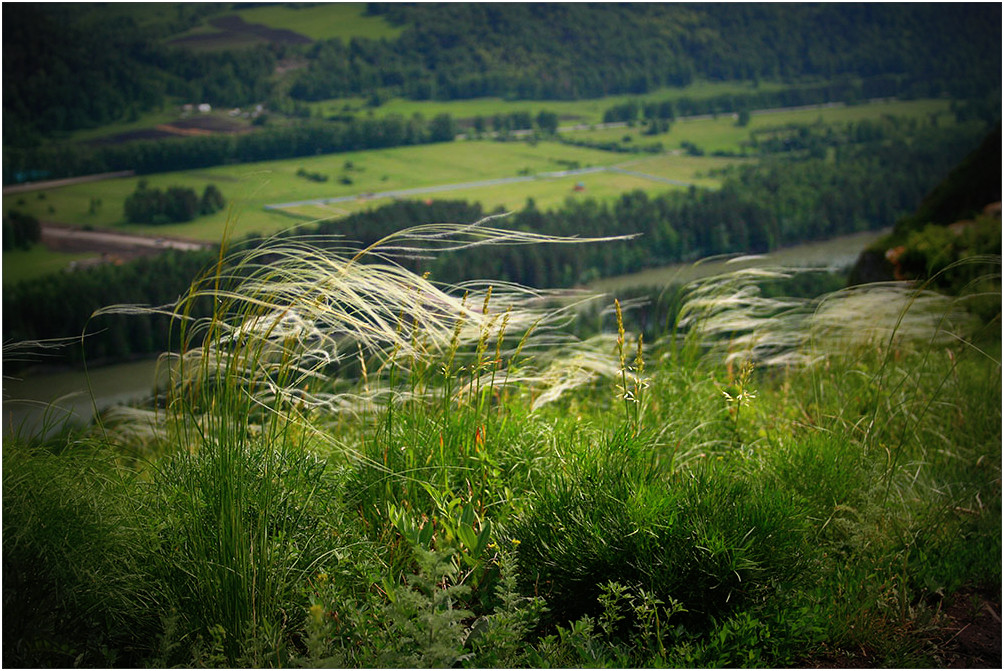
<point>568,51</point>
<point>176,204</point>
<point>20,230</point>
<point>781,201</point>
<point>957,220</point>
<point>76,66</point>
<point>846,90</point>
<point>69,66</point>
<point>59,305</point>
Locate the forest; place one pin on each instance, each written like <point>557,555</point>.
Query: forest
<point>67,66</point>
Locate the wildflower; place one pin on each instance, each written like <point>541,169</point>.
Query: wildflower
<point>317,613</point>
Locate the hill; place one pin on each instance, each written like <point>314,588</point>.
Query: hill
<point>960,217</point>
<point>77,66</point>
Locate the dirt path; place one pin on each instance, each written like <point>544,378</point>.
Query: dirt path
<point>59,237</point>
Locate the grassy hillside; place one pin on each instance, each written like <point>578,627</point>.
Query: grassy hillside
<point>355,467</point>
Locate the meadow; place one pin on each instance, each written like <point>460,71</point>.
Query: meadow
<point>356,467</point>
<point>38,261</point>
<point>722,134</point>
<point>585,111</point>
<point>249,187</point>
<point>343,20</point>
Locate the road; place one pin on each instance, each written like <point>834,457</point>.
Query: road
<point>66,238</point>
<point>55,183</point>
<point>400,193</point>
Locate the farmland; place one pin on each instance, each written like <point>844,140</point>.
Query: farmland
<point>722,133</point>
<point>588,111</point>
<point>250,187</point>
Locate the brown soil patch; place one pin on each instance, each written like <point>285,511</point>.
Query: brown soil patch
<point>973,631</point>
<point>175,130</point>
<point>143,134</point>
<point>210,123</point>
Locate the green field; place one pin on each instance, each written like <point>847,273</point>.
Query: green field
<point>722,134</point>
<point>324,21</point>
<point>36,262</point>
<point>570,111</point>
<point>546,192</point>
<point>143,121</point>
<point>250,187</point>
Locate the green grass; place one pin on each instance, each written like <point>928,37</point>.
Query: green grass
<point>548,192</point>
<point>343,20</point>
<point>251,186</point>
<point>38,261</point>
<point>722,134</point>
<point>571,111</point>
<point>144,121</point>
<point>356,467</point>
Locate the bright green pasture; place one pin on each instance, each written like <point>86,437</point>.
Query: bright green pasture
<point>20,264</point>
<point>249,187</point>
<point>696,170</point>
<point>546,192</point>
<point>325,21</point>
<point>722,134</point>
<point>570,111</point>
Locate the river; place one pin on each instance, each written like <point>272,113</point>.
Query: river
<point>839,252</point>
<point>41,403</point>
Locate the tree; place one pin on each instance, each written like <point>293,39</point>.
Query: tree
<point>20,231</point>
<point>442,128</point>
<point>547,122</point>
<point>181,204</point>
<point>212,200</point>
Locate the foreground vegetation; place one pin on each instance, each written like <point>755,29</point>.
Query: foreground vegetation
<point>354,466</point>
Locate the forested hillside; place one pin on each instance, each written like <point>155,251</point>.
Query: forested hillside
<point>72,66</point>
